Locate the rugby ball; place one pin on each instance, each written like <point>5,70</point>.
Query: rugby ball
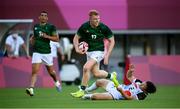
<point>83,46</point>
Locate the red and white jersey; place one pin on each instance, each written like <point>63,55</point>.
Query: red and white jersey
<point>133,89</point>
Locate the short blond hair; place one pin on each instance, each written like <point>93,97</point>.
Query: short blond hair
<point>93,12</point>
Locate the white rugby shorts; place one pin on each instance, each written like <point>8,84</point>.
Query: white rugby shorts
<point>47,59</point>
<point>113,91</point>
<point>96,55</point>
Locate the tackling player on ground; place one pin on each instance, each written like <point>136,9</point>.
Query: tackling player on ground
<point>137,90</point>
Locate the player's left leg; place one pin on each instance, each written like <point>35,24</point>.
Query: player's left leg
<point>48,60</point>
<point>35,69</point>
<point>99,73</point>
<point>99,83</point>
<point>36,63</point>
<point>102,73</point>
<point>98,56</point>
<point>52,73</point>
<point>98,96</point>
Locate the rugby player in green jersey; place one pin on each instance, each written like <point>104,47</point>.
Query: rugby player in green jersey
<point>93,32</point>
<point>43,34</point>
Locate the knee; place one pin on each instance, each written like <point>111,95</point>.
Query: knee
<point>96,74</point>
<point>86,69</point>
<point>99,82</point>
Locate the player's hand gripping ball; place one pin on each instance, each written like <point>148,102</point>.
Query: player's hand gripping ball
<point>83,46</point>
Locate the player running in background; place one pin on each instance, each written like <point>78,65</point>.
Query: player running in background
<point>93,32</point>
<point>43,34</point>
<point>137,90</point>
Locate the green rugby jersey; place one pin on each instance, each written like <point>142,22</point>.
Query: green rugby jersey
<point>94,36</point>
<point>42,45</point>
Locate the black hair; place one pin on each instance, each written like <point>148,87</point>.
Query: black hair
<point>141,96</point>
<point>151,88</point>
<point>138,81</point>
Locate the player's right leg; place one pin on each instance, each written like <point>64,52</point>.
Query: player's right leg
<point>35,69</point>
<point>86,70</point>
<point>36,63</point>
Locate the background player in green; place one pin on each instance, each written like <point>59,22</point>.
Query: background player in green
<point>93,32</point>
<point>43,33</point>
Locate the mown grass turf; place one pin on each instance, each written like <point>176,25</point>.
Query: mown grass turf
<point>166,97</point>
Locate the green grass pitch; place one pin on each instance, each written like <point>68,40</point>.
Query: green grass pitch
<point>166,97</point>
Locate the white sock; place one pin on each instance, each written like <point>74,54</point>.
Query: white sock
<point>57,83</point>
<point>92,87</point>
<point>87,96</point>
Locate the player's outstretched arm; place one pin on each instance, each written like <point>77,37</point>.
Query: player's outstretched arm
<point>130,72</point>
<point>109,50</point>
